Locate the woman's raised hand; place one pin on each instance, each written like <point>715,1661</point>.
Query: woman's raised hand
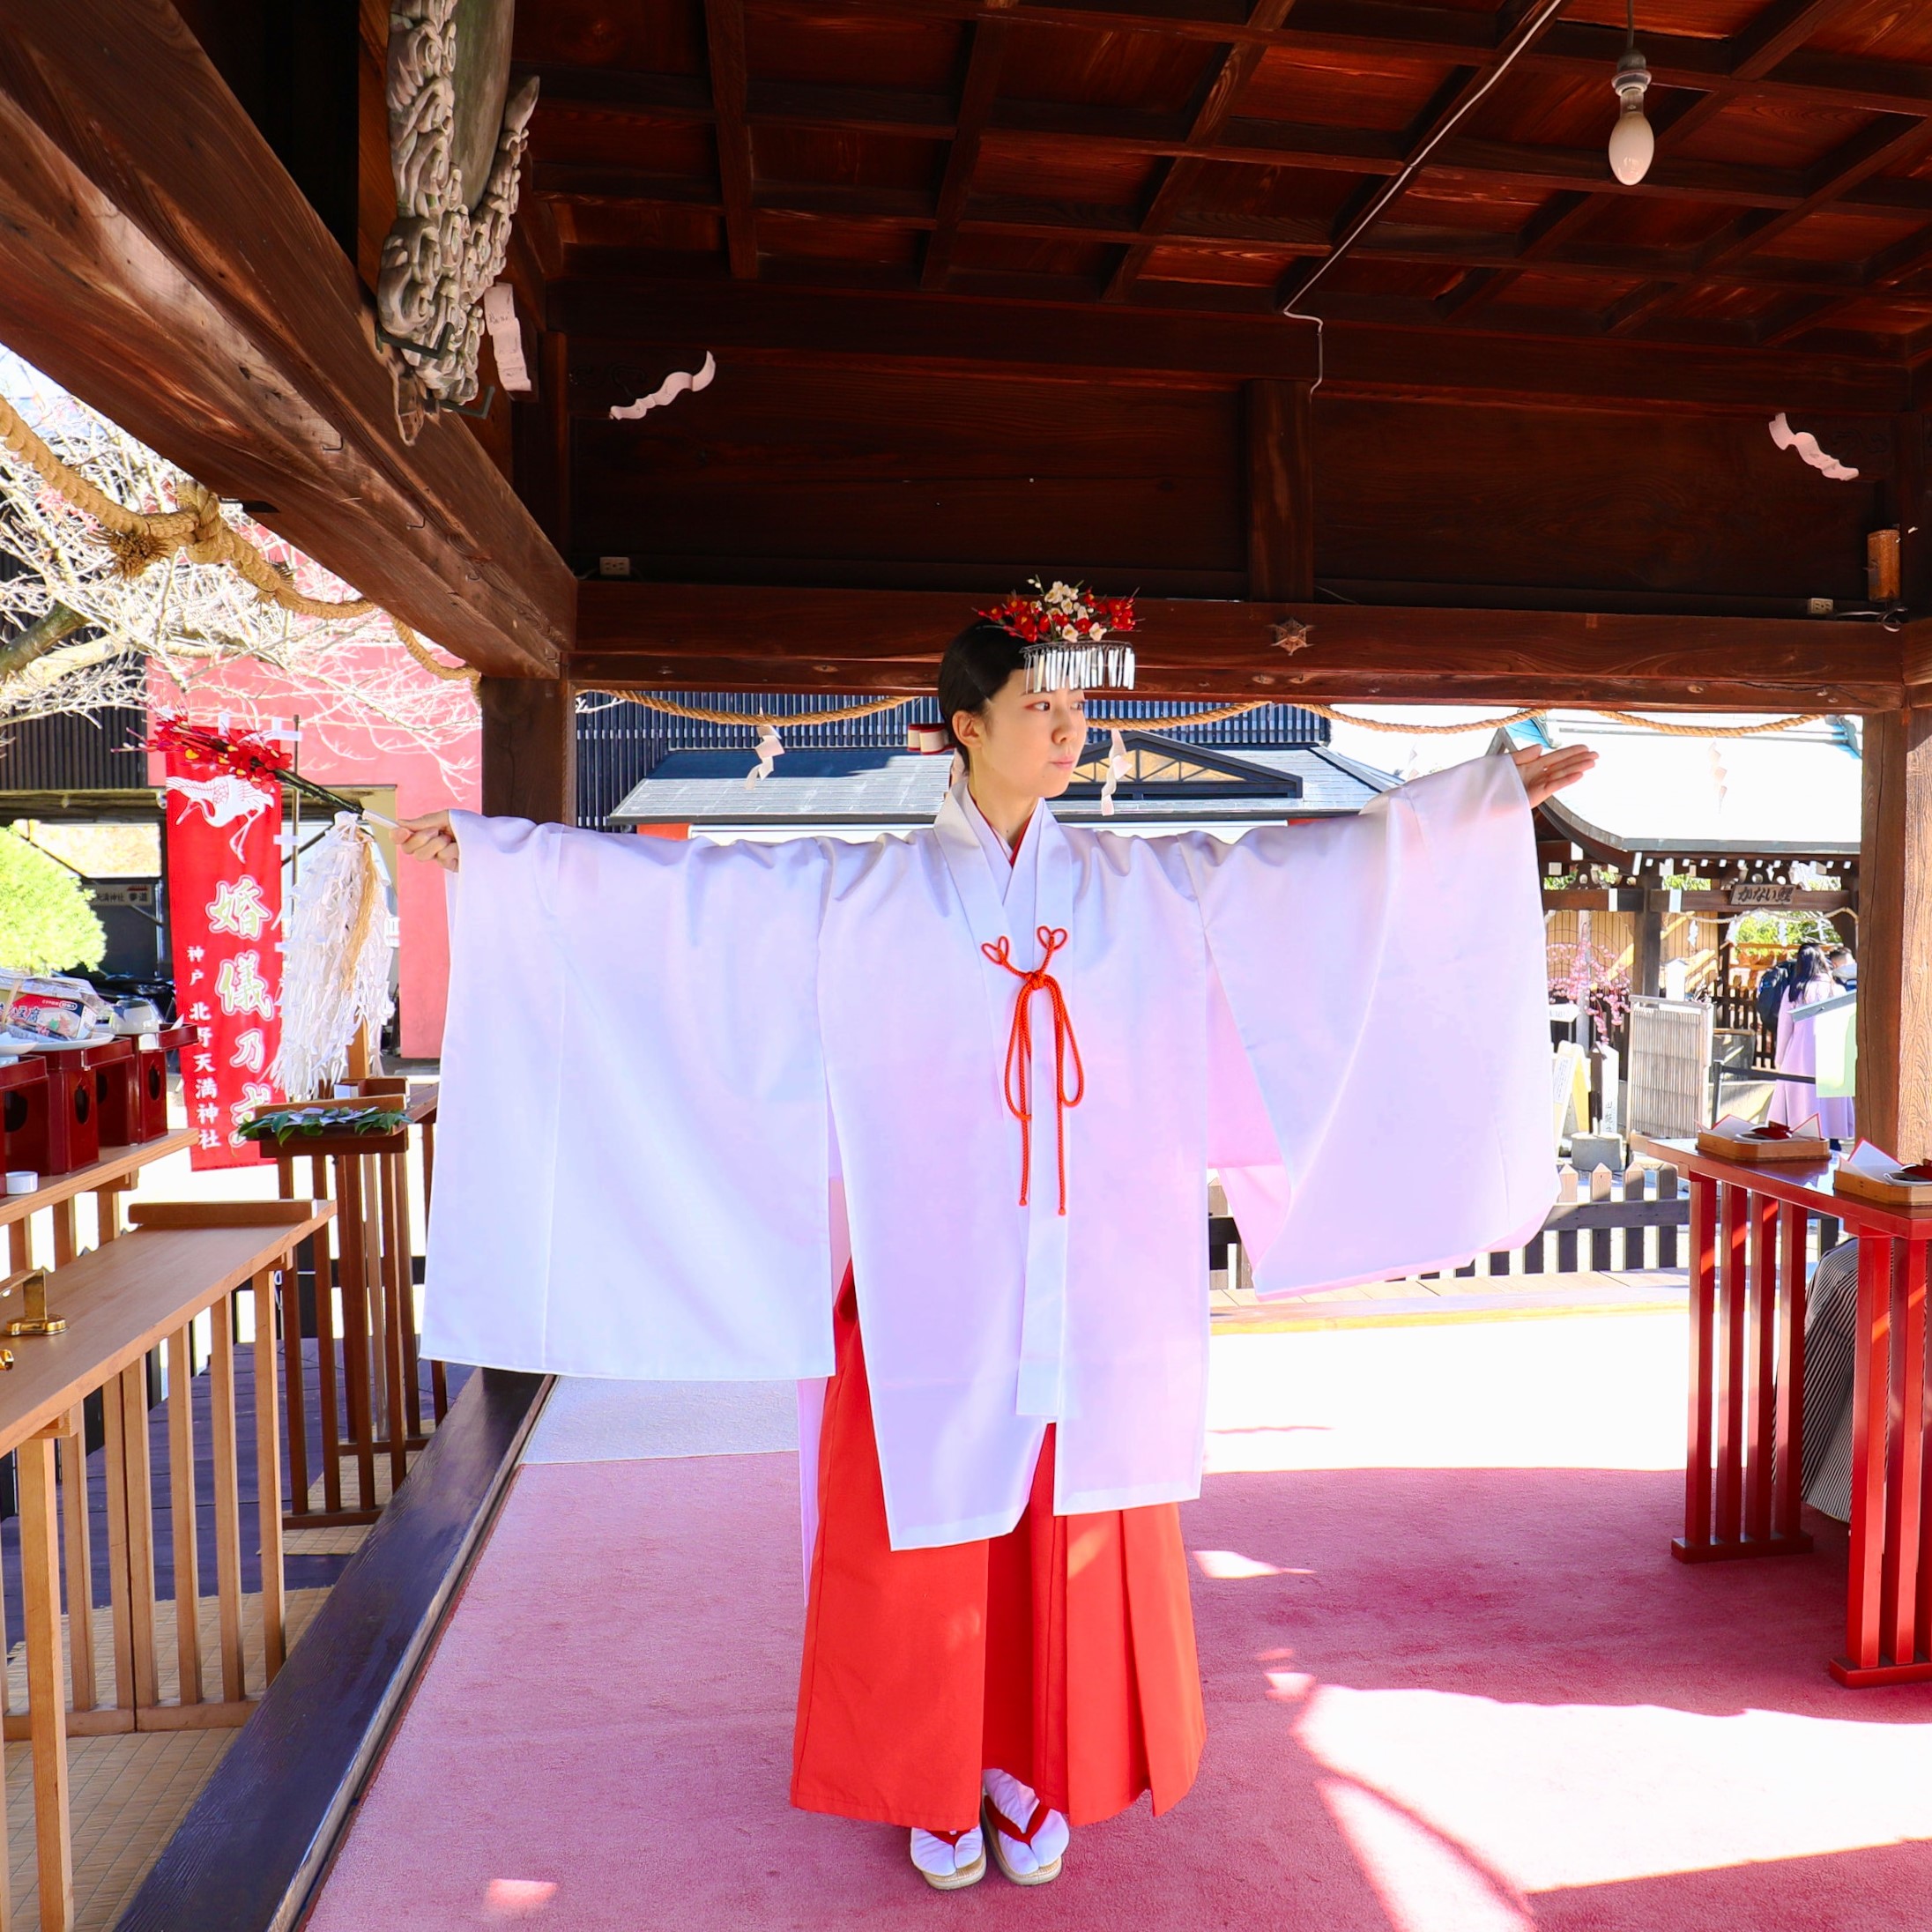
<point>1548,771</point>
<point>430,838</point>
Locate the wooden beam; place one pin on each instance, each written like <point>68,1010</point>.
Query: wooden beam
<point>1281,492</point>
<point>1776,31</point>
<point>985,42</point>
<point>529,742</point>
<point>1889,141</point>
<point>156,259</point>
<point>740,637</point>
<point>1093,342</point>
<point>724,44</point>
<point>1895,935</point>
<point>795,323</point>
<point>1174,178</point>
<point>1243,141</point>
<point>598,185</point>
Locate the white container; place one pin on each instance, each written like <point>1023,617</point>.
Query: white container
<point>22,1180</point>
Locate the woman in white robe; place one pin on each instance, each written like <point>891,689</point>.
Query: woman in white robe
<point>967,1086</point>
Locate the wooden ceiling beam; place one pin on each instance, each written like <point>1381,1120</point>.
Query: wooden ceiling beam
<point>735,637</point>
<point>1890,269</point>
<point>790,323</point>
<point>1889,141</point>
<point>986,51</point>
<point>725,51</point>
<point>912,208</point>
<point>1389,30</point>
<point>936,331</point>
<point>1177,177</point>
<point>1242,141</point>
<point>157,260</point>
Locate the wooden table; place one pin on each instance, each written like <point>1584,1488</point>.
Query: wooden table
<point>120,1301</point>
<point>1742,1467</point>
<point>113,1173</point>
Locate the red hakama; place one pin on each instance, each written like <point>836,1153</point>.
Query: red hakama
<point>1062,1653</point>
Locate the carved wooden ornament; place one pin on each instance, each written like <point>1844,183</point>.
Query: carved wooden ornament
<point>452,123</point>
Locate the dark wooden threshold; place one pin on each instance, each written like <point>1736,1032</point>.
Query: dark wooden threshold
<point>250,1852</point>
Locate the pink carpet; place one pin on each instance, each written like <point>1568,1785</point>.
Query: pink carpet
<point>1440,1700</point>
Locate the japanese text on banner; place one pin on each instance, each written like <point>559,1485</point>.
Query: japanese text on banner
<point>225,925</point>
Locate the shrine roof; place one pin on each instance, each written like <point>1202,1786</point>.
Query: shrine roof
<point>886,789</point>
<point>1796,791</point>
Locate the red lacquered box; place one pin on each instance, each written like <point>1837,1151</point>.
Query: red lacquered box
<point>117,1091</point>
<point>23,1114</point>
<point>73,1120</point>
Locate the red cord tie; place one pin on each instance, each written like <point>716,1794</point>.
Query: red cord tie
<point>1019,1082</point>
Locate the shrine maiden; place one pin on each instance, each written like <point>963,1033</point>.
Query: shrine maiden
<point>931,1117</point>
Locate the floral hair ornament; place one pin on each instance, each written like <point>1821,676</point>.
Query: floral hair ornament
<point>1063,630</point>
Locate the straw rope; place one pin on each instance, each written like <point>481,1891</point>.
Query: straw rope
<point>706,714</point>
<point>198,529</point>
<point>140,539</point>
<point>782,721</point>
<point>1594,710</point>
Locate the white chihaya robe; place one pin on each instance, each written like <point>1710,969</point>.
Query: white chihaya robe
<point>658,1056</point>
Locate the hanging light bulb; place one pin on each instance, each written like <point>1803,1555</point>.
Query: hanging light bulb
<point>1632,143</point>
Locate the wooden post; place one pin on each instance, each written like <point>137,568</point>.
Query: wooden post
<point>186,1543</point>
<point>227,1488</point>
<point>1281,493</point>
<point>1895,935</point>
<point>80,1565</point>
<point>46,1690</point>
<point>530,749</point>
<point>1649,979</point>
<point>268,1463</point>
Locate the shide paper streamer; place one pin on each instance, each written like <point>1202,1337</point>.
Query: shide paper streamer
<point>674,386</point>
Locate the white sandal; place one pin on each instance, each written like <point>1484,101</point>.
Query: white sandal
<point>999,1828</point>
<point>957,1877</point>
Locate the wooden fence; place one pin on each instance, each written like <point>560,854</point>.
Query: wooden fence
<point>1602,1221</point>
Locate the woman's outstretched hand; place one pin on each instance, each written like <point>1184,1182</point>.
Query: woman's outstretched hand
<point>1548,771</point>
<point>430,838</point>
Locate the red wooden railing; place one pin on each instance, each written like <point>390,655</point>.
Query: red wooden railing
<point>1742,1482</point>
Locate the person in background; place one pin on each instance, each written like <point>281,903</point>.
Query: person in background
<point>1844,967</point>
<point>1795,1102</point>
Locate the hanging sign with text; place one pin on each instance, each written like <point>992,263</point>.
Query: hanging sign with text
<point>225,925</point>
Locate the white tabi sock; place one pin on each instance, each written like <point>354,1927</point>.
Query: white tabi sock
<point>1015,1802</point>
<point>935,1855</point>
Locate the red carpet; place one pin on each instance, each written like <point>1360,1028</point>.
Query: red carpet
<point>1440,1700</point>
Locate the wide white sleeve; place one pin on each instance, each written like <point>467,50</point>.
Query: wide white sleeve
<point>631,1146</point>
<point>1380,1043</point>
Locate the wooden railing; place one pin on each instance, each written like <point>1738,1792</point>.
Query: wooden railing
<point>359,1305</point>
<point>130,1295</point>
<point>1750,1231</point>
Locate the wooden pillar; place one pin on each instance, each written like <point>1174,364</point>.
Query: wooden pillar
<point>1649,979</point>
<point>1895,935</point>
<point>530,749</point>
<point>1281,493</point>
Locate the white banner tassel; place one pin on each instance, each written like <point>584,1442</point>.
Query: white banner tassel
<point>1116,769</point>
<point>335,962</point>
<point>770,746</point>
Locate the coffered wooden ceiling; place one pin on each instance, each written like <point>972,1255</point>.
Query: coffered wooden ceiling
<point>1206,155</point>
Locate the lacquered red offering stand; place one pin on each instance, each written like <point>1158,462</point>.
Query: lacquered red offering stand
<point>1742,1472</point>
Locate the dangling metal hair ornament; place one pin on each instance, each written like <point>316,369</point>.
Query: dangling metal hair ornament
<point>1064,630</point>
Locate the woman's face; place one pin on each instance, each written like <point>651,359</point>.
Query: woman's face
<point>1027,742</point>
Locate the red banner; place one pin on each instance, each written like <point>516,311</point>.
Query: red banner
<point>225,923</point>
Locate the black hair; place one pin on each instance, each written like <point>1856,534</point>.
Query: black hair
<point>975,668</point>
<point>1809,964</point>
